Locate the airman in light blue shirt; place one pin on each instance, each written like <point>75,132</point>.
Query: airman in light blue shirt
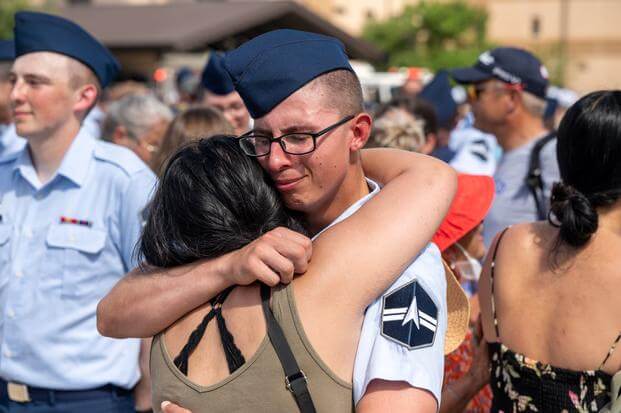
<point>63,245</point>
<point>71,212</point>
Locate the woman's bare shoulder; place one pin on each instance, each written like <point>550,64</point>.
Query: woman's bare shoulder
<point>528,242</point>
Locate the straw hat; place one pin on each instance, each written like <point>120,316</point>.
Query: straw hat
<point>457,310</point>
<point>473,200</point>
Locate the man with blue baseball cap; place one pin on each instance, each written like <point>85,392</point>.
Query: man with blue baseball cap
<point>309,127</point>
<point>507,91</point>
<point>220,93</point>
<point>70,215</point>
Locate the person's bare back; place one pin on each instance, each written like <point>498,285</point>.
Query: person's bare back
<point>558,306</point>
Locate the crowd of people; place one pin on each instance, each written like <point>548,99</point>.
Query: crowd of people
<point>270,244</point>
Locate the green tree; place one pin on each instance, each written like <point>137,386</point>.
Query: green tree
<point>431,34</point>
<point>8,8</point>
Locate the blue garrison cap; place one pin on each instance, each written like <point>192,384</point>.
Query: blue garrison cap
<point>40,32</point>
<point>7,50</point>
<point>215,78</point>
<point>269,68</point>
<point>438,92</point>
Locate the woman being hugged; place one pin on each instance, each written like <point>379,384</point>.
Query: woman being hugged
<point>550,290</point>
<point>213,199</point>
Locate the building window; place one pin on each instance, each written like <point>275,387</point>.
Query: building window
<point>535,26</point>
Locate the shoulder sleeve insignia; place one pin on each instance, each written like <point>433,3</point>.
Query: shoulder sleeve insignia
<point>409,316</point>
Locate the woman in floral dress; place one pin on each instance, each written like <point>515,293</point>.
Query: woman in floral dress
<point>550,290</point>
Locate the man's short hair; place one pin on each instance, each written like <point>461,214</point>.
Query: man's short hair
<point>136,113</point>
<point>343,89</point>
<point>80,75</point>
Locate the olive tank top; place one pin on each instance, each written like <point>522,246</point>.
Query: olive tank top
<point>259,384</point>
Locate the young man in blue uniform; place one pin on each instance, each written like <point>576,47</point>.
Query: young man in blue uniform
<point>220,93</point>
<point>295,83</point>
<point>70,215</point>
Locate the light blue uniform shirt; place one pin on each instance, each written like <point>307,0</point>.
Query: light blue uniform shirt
<point>380,356</point>
<point>53,274</point>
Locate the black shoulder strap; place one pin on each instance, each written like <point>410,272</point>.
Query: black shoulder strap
<point>295,379</point>
<point>533,179</point>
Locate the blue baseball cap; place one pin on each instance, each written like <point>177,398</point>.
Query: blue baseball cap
<point>215,78</point>
<point>510,65</point>
<point>40,32</point>
<point>271,67</point>
<point>7,50</point>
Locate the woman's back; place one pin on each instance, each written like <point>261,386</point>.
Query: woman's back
<point>210,387</point>
<point>565,313</point>
<point>556,311</point>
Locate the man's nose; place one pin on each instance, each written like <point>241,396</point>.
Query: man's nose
<point>277,159</point>
<point>17,93</point>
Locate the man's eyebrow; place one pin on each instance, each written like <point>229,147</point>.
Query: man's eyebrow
<point>300,128</point>
<point>32,76</point>
<point>290,129</point>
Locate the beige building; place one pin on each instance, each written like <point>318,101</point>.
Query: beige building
<point>580,40</point>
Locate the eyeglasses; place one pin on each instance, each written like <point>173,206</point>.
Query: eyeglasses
<point>296,143</point>
<point>475,91</point>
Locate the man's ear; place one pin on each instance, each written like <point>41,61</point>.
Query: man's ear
<point>120,136</point>
<point>361,129</point>
<point>515,101</point>
<point>431,140</point>
<point>86,97</point>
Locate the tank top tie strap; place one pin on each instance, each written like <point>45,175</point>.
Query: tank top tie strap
<point>610,351</point>
<point>492,275</point>
<point>234,356</point>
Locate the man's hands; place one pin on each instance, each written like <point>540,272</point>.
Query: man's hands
<point>273,258</point>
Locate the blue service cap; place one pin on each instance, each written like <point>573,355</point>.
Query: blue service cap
<point>269,68</point>
<point>7,50</point>
<point>40,32</point>
<point>439,94</point>
<point>215,78</point>
<point>510,65</point>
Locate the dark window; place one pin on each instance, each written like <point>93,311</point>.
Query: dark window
<point>535,26</point>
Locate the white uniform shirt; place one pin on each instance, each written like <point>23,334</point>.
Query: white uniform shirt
<point>404,313</point>
<point>476,152</point>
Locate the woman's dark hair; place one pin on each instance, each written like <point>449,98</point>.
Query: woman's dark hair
<point>589,159</point>
<point>212,199</point>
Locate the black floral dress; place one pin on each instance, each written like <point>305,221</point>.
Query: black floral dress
<point>520,384</point>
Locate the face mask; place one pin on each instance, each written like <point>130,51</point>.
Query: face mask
<point>470,269</point>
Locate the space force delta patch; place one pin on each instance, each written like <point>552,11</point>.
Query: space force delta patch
<point>409,316</point>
